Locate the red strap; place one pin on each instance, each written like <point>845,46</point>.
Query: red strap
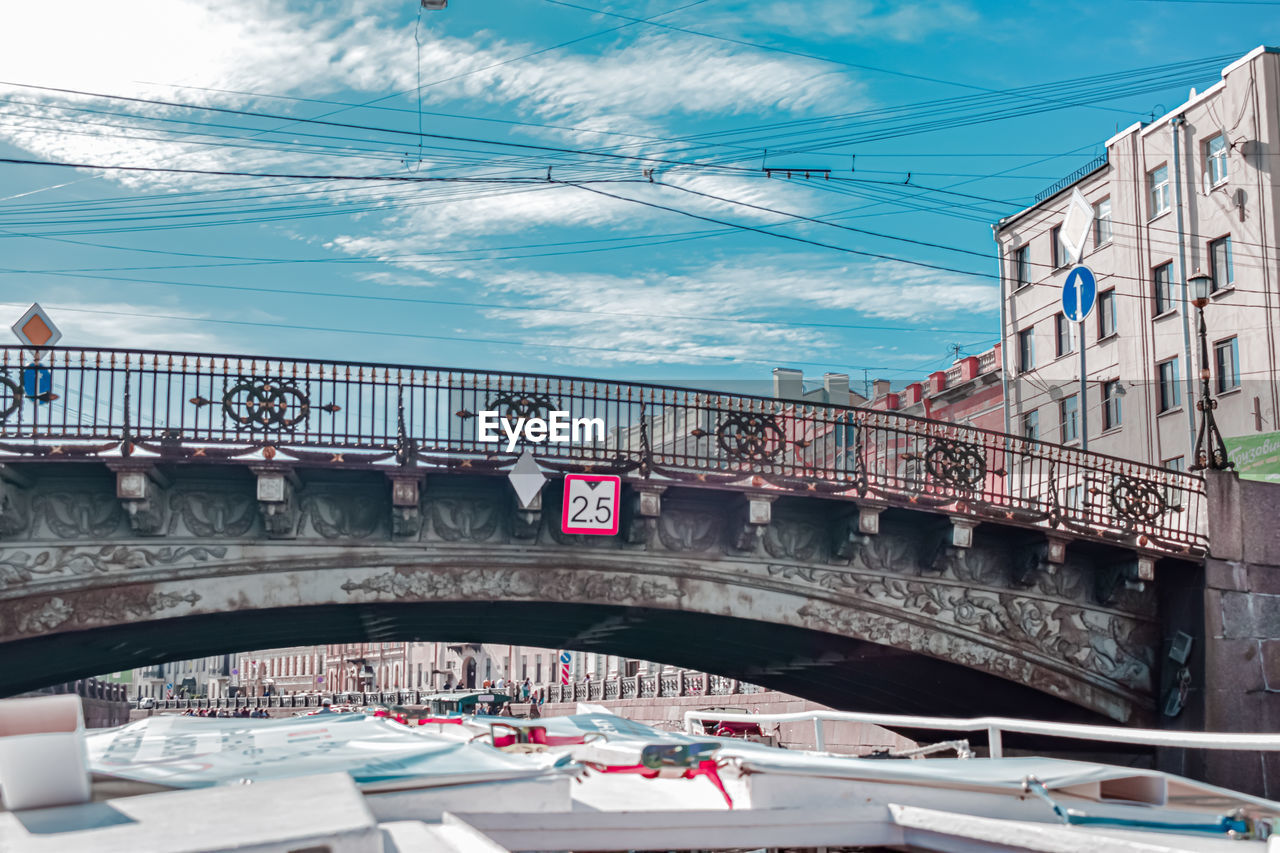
<point>706,768</point>
<point>422,721</point>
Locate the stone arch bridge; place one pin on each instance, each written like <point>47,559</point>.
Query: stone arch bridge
<point>160,505</point>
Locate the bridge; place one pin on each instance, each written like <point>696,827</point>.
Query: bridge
<point>157,505</point>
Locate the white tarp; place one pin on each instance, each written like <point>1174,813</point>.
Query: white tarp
<point>193,752</point>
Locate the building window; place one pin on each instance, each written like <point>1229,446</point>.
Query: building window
<point>1226,355</point>
<point>1069,418</point>
<point>1158,190</point>
<point>1106,313</point>
<point>1031,425</point>
<point>1059,252</point>
<point>1215,155</point>
<point>1162,288</point>
<point>1220,264</point>
<point>1064,331</point>
<point>1073,496</point>
<point>1102,222</point>
<point>1170,393</point>
<point>1026,350</point>
<point>1021,267</point>
<point>1111,394</point>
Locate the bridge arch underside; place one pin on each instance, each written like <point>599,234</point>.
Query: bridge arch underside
<point>843,672</point>
<point>884,636</point>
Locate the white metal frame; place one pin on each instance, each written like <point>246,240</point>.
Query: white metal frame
<point>995,727</point>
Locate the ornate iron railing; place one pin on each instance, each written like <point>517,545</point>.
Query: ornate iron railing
<point>74,403</point>
<point>1058,186</point>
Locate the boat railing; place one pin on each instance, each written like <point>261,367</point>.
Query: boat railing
<point>996,727</point>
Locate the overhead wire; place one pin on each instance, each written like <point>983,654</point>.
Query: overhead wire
<point>498,306</point>
<point>422,336</point>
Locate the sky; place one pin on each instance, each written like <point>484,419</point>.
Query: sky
<point>689,191</point>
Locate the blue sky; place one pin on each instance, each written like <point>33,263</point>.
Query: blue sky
<point>653,252</point>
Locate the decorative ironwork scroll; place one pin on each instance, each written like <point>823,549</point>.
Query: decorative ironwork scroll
<point>750,436</point>
<point>515,405</point>
<point>11,395</point>
<point>266,403</point>
<point>955,464</point>
<point>1137,500</point>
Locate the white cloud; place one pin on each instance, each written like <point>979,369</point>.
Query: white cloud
<point>664,313</point>
<point>832,20</point>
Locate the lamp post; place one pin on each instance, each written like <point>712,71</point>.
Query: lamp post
<point>1210,451</point>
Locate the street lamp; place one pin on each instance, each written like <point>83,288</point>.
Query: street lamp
<point>1215,455</point>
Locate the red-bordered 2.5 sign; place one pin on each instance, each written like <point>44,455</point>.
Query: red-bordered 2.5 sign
<point>591,504</point>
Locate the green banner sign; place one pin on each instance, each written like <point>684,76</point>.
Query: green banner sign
<point>1257,457</point>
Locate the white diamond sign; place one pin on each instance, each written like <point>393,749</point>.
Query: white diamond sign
<point>527,478</point>
<point>1077,225</point>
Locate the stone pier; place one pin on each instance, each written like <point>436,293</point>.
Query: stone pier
<point>1241,655</point>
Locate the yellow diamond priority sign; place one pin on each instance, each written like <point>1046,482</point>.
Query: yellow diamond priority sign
<point>36,328</point>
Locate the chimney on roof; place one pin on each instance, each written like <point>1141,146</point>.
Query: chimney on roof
<point>879,388</point>
<point>913,393</point>
<point>788,384</point>
<point>837,387</point>
<point>937,381</point>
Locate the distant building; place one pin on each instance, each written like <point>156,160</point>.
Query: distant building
<point>1194,190</point>
<point>366,667</point>
<point>296,669</point>
<point>370,667</point>
<point>208,677</point>
<point>969,393</point>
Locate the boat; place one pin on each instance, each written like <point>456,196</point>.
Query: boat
<point>361,783</point>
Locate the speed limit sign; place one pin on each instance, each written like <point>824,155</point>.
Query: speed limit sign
<point>591,504</point>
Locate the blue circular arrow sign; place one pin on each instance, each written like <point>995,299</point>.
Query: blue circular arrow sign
<point>37,381</point>
<point>1079,292</point>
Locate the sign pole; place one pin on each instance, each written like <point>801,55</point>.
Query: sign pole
<point>1084,391</point>
<point>1076,308</point>
<point>1084,388</point>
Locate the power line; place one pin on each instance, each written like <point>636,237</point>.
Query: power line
<point>790,237</point>
<point>352,126</point>
<point>404,179</point>
<point>418,336</point>
<point>491,306</point>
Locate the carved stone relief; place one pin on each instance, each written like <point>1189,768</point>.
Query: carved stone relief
<point>344,515</point>
<point>465,518</point>
<point>213,514</point>
<point>22,565</point>
<point>497,584</point>
<point>73,514</point>
<point>688,529</point>
<point>105,607</point>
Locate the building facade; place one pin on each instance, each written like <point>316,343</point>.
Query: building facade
<point>208,677</point>
<point>1193,191</point>
<point>369,667</point>
<point>274,672</point>
<point>970,393</point>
